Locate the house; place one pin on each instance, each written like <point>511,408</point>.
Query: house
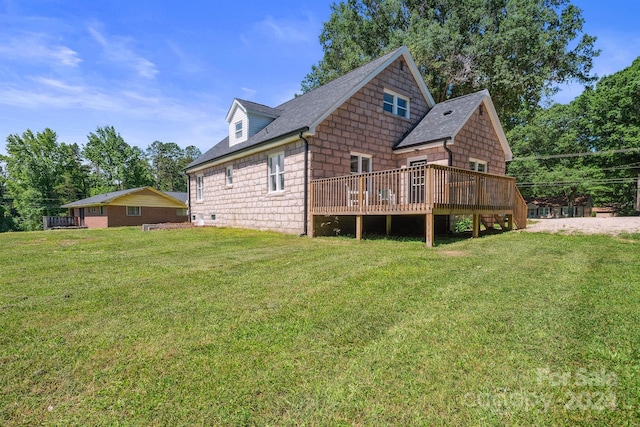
<point>368,145</point>
<point>558,207</point>
<point>136,206</point>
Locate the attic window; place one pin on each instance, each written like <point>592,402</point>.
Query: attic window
<point>446,113</point>
<point>395,104</point>
<point>239,129</point>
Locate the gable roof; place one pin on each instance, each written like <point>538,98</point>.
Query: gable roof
<point>446,119</point>
<point>305,112</point>
<point>252,107</point>
<point>108,198</point>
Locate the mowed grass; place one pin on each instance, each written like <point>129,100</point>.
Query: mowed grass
<point>232,327</point>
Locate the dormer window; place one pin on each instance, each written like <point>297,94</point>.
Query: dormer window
<point>239,129</point>
<point>395,104</point>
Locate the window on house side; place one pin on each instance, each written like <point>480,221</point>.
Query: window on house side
<point>199,187</point>
<point>395,104</point>
<point>134,211</point>
<point>239,129</point>
<point>477,165</point>
<point>276,172</point>
<point>229,175</point>
<point>182,212</point>
<point>360,163</point>
<point>101,210</point>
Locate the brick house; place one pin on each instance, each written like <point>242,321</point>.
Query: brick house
<point>378,131</point>
<point>136,206</point>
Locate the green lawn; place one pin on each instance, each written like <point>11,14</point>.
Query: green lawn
<point>230,327</point>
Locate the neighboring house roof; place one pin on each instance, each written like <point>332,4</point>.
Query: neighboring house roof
<point>183,197</point>
<point>446,119</point>
<point>558,201</point>
<point>307,111</point>
<point>112,198</point>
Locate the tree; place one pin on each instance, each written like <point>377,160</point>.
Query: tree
<point>519,50</point>
<point>601,120</point>
<point>115,165</point>
<point>6,219</point>
<point>168,161</point>
<point>33,173</point>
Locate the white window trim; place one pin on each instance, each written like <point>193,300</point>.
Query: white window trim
<point>478,162</point>
<point>239,129</point>
<point>279,187</point>
<point>360,156</point>
<point>395,106</point>
<point>228,176</point>
<point>199,188</point>
<point>134,214</point>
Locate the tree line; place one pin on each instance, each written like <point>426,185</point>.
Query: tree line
<point>590,146</point>
<point>39,174</point>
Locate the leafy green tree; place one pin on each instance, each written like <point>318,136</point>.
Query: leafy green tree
<point>168,161</point>
<point>518,49</point>
<point>33,173</point>
<point>6,219</point>
<point>605,119</point>
<point>115,165</point>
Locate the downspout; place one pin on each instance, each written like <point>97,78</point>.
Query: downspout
<point>306,185</point>
<point>450,163</point>
<point>189,197</point>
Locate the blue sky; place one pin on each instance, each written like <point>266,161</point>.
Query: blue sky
<point>168,70</point>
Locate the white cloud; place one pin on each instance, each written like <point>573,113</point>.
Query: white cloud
<point>248,93</point>
<point>117,50</point>
<point>39,47</point>
<point>287,31</point>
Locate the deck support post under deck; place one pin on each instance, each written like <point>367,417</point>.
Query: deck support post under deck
<point>359,227</point>
<point>509,222</point>
<point>476,226</point>
<point>310,232</point>
<point>428,227</point>
<point>388,225</point>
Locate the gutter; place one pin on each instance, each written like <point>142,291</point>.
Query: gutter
<point>306,185</point>
<point>448,151</point>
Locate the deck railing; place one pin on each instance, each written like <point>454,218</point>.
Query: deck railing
<point>60,221</point>
<point>520,211</point>
<point>418,189</point>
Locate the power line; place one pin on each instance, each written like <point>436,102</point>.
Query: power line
<point>562,183</point>
<point>588,153</point>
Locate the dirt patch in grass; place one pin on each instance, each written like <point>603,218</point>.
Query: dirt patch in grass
<point>453,253</point>
<point>611,226</point>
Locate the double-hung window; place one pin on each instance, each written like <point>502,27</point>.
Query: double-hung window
<point>477,165</point>
<point>229,175</point>
<point>360,163</point>
<point>276,172</point>
<point>199,188</point>
<point>134,211</point>
<point>395,104</point>
<point>239,129</point>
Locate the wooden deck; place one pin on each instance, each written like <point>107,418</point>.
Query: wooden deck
<point>55,222</point>
<point>420,190</point>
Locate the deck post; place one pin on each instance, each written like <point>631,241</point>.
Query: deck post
<point>509,222</point>
<point>359,227</point>
<point>476,225</point>
<point>428,227</point>
<point>388,228</point>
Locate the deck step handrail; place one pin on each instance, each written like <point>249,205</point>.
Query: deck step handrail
<point>416,189</point>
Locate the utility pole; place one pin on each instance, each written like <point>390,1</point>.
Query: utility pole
<point>637,205</point>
